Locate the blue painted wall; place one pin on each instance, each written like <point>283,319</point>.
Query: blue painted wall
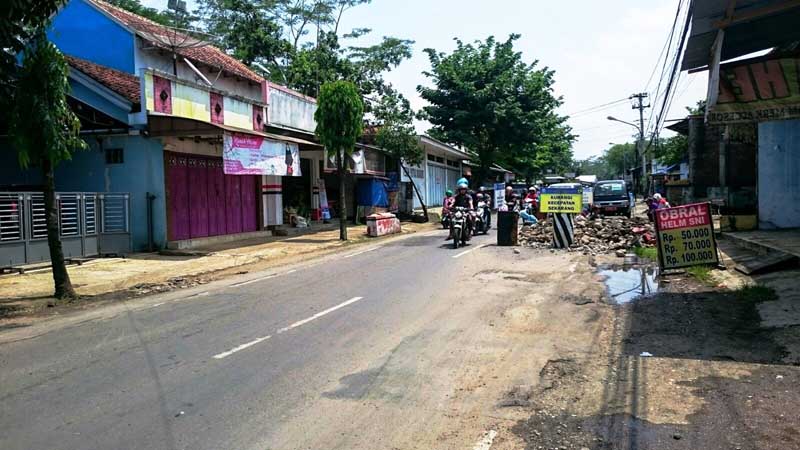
<point>779,174</point>
<point>82,31</point>
<point>141,172</point>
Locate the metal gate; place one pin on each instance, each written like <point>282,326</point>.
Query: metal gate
<point>89,224</point>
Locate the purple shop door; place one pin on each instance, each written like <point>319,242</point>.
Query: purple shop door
<point>177,197</point>
<point>198,197</point>
<point>216,198</point>
<point>249,205</point>
<point>233,204</point>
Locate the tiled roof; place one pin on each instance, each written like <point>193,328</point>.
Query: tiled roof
<point>207,54</point>
<point>122,83</point>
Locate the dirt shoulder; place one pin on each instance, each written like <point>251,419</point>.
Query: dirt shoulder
<point>689,367</point>
<point>25,298</point>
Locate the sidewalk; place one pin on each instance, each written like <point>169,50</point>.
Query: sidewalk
<point>145,273</point>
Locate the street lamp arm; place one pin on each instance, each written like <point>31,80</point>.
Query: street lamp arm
<point>614,119</point>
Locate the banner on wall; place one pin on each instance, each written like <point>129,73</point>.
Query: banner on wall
<point>245,154</point>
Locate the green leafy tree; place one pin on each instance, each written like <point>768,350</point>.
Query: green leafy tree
<point>20,21</point>
<point>250,30</point>
<point>619,158</point>
<point>488,100</point>
<point>170,18</point>
<point>340,121</point>
<point>394,120</point>
<point>672,150</point>
<point>45,131</point>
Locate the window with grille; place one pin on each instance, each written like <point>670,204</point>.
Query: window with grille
<point>90,214</point>
<point>69,214</point>
<point>115,214</point>
<point>38,219</point>
<point>11,210</point>
<point>115,156</point>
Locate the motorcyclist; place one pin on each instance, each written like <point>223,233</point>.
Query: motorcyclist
<point>447,204</point>
<point>464,200</point>
<point>487,214</point>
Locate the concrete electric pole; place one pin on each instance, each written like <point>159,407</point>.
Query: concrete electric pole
<point>638,100</point>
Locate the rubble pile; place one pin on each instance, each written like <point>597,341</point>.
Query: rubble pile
<point>594,236</point>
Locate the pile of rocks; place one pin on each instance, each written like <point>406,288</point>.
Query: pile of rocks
<point>594,236</point>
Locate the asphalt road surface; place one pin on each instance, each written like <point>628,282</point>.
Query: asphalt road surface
<point>245,365</point>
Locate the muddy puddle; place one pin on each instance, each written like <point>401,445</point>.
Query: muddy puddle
<point>629,282</point>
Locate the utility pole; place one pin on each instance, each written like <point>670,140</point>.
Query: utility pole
<point>639,104</point>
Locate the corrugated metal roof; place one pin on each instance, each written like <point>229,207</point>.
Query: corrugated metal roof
<point>741,38</point>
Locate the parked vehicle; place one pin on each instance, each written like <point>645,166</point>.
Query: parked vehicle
<point>460,229</point>
<point>612,198</point>
<point>482,218</point>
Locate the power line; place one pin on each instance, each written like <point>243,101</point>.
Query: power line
<point>666,45</point>
<point>598,107</point>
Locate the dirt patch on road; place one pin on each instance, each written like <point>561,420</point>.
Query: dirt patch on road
<point>686,368</point>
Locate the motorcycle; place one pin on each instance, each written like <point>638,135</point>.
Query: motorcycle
<point>482,219</point>
<point>459,226</point>
<point>446,221</point>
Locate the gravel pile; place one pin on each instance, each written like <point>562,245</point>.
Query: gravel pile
<point>594,236</point>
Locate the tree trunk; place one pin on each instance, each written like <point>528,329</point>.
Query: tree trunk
<point>419,196</point>
<point>63,285</point>
<point>340,168</point>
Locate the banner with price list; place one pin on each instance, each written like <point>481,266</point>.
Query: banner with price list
<point>685,236</point>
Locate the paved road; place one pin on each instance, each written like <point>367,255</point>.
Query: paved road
<point>269,362</point>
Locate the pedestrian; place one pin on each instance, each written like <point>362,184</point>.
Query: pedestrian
<point>661,201</point>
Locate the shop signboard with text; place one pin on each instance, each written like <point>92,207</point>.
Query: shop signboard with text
<point>685,236</point>
<point>758,90</point>
<point>245,154</point>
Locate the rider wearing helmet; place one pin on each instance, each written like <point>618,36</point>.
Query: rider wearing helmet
<point>447,203</point>
<point>462,197</point>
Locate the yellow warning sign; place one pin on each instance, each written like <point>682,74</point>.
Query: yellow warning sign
<point>563,201</point>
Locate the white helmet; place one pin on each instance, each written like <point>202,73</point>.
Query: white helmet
<point>657,196</point>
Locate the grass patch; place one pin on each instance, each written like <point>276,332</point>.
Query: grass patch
<point>755,293</point>
<point>646,253</point>
<point>701,274</point>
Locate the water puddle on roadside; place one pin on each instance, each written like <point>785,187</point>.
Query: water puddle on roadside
<point>629,282</point>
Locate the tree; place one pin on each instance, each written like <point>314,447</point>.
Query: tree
<point>672,150</point>
<point>20,21</point>
<point>488,100</point>
<point>619,158</point>
<point>46,132</point>
<point>339,116</point>
<point>394,120</point>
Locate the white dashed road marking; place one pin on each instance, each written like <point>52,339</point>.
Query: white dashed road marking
<point>319,314</point>
<point>361,252</point>
<point>285,329</point>
<point>255,280</point>
<point>469,251</point>
<point>241,347</point>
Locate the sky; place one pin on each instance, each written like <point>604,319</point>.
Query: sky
<point>601,51</point>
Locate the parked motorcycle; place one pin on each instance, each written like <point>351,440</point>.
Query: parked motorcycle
<point>460,230</point>
<point>482,218</point>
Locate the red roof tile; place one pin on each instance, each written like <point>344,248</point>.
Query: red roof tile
<point>122,83</point>
<point>207,54</point>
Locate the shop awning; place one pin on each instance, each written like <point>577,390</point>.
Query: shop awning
<point>750,26</point>
<point>165,125</point>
